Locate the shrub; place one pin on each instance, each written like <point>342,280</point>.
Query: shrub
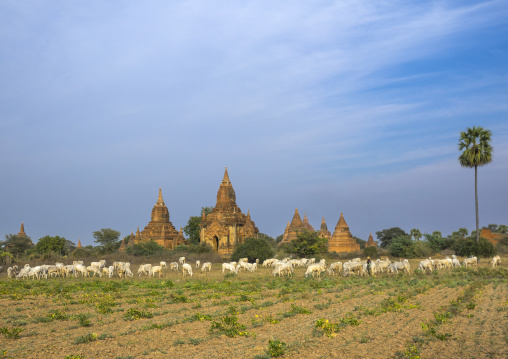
<point>370,252</point>
<point>468,246</point>
<point>253,248</point>
<point>134,314</point>
<point>229,326</point>
<point>145,249</point>
<point>276,348</point>
<point>12,333</point>
<point>194,248</point>
<point>422,249</point>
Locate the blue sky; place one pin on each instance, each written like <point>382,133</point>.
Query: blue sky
<point>324,106</point>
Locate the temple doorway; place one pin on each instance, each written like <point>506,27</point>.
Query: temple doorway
<point>215,241</point>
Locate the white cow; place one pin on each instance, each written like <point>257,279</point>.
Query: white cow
<point>187,268</point>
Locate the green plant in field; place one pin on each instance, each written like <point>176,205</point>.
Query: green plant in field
<point>327,328</point>
<point>178,342</point>
<point>83,320</point>
<point>200,317</point>
<point>178,298</point>
<point>195,341</point>
<point>12,333</point>
<point>322,306</point>
<point>134,314</point>
<point>295,310</point>
<point>389,305</point>
<point>350,319</point>
<point>276,348</point>
<point>74,356</point>
<point>271,320</point>
<point>88,338</point>
<point>229,326</point>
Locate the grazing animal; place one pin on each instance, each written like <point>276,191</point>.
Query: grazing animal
<point>186,268</point>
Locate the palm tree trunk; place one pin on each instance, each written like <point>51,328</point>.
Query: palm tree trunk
<point>476,204</point>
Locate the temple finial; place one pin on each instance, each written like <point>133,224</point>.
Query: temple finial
<point>226,176</point>
<point>159,199</point>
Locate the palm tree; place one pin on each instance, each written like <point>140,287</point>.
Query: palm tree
<point>477,151</point>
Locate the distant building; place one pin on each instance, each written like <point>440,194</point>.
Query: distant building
<point>323,230</point>
<point>159,229</point>
<point>370,242</point>
<point>342,240</point>
<point>226,226</point>
<point>492,237</point>
<point>22,231</point>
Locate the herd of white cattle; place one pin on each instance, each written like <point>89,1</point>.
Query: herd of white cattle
<point>281,267</point>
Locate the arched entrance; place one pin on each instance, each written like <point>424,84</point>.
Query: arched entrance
<point>215,241</point>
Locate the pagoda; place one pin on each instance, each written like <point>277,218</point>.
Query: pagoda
<point>342,240</point>
<point>226,226</point>
<point>22,231</point>
<point>159,229</point>
<point>323,230</point>
<point>370,242</point>
<point>306,223</point>
<point>295,226</point>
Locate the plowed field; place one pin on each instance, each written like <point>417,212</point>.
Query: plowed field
<point>454,313</point>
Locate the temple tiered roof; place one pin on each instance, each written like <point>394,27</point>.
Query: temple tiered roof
<point>226,226</point>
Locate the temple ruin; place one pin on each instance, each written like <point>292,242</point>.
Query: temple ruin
<point>159,229</point>
<point>226,226</point>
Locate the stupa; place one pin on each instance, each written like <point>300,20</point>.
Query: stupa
<point>295,226</point>
<point>323,230</point>
<point>342,240</point>
<point>159,229</point>
<point>370,242</point>
<point>226,226</point>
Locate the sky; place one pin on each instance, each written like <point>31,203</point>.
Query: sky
<point>326,106</point>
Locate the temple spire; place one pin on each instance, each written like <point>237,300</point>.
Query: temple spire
<point>79,243</point>
<point>248,214</point>
<point>159,199</point>
<point>22,231</point>
<point>226,176</point>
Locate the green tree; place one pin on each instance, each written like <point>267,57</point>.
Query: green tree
<point>360,241</point>
<point>386,235</point>
<point>253,248</point>
<point>492,227</point>
<point>192,229</point>
<point>415,234</point>
<point>476,151</point>
<point>402,246</point>
<point>503,228</point>
<point>16,245</point>
<point>107,239</point>
<point>307,244</point>
<point>54,244</point>
<point>469,246</point>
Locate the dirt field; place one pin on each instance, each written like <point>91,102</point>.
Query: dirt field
<point>446,314</point>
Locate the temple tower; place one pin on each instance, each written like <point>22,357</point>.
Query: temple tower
<point>159,229</point>
<point>226,226</point>
<point>370,242</point>
<point>342,240</point>
<point>22,231</point>
<point>306,223</point>
<point>295,226</point>
<point>323,230</point>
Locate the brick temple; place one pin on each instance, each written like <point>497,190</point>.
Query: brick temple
<point>226,226</point>
<point>370,242</point>
<point>341,241</point>
<point>159,229</point>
